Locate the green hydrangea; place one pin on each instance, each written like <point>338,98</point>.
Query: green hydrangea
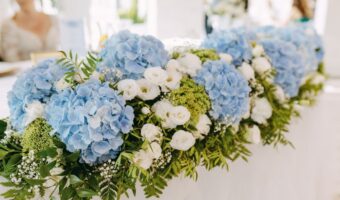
<point>37,136</point>
<point>193,97</point>
<point>206,54</point>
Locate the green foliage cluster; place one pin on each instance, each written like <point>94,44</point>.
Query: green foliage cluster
<point>193,97</point>
<point>78,71</point>
<point>37,136</point>
<point>206,54</point>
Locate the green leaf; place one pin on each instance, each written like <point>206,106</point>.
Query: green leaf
<point>74,157</point>
<point>3,126</point>
<point>50,152</point>
<point>74,180</point>
<point>3,153</point>
<point>44,171</point>
<point>34,181</point>
<point>86,193</point>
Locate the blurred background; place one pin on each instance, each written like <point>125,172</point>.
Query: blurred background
<point>31,30</point>
<point>81,25</point>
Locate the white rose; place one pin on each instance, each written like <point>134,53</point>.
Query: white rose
<point>147,90</point>
<point>254,134</point>
<point>143,159</point>
<point>261,65</point>
<point>151,132</point>
<point>155,150</point>
<point>279,94</point>
<point>146,110</point>
<point>179,115</point>
<point>182,140</point>
<point>129,88</point>
<point>247,71</point>
<point>318,79</point>
<point>172,81</point>
<point>162,110</point>
<point>172,66</point>
<point>33,110</point>
<point>155,75</point>
<point>258,51</point>
<point>226,57</point>
<point>261,111</point>
<point>62,84</point>
<point>203,126</point>
<point>189,64</point>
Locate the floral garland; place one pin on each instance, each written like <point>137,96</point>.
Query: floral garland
<point>138,113</point>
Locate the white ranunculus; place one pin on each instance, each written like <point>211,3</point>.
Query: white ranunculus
<point>33,110</point>
<point>262,110</point>
<point>155,75</point>
<point>226,57</point>
<point>258,51</point>
<point>179,115</point>
<point>189,64</point>
<point>254,134</point>
<point>279,94</point>
<point>155,150</point>
<point>172,81</point>
<point>162,110</point>
<point>146,110</point>
<point>129,88</point>
<point>62,84</point>
<point>143,159</point>
<point>247,71</point>
<point>151,132</point>
<point>147,90</point>
<point>261,65</point>
<point>318,79</point>
<point>182,140</point>
<point>202,126</point>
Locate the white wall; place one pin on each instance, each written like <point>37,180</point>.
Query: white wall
<point>176,18</point>
<point>332,38</point>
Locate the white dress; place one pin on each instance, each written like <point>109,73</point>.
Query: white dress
<point>17,43</point>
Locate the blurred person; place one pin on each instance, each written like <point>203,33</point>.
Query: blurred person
<point>27,31</point>
<point>302,10</point>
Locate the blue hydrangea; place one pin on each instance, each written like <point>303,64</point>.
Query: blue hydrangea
<point>36,84</point>
<point>90,118</point>
<point>286,59</point>
<point>231,42</point>
<point>131,54</point>
<point>227,89</point>
<point>303,37</point>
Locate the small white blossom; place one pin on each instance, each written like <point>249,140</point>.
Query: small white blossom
<point>258,51</point>
<point>162,110</point>
<point>143,159</point>
<point>261,65</point>
<point>203,126</point>
<point>179,115</point>
<point>279,94</point>
<point>318,79</point>
<point>262,110</point>
<point>247,71</point>
<point>182,140</point>
<point>156,75</point>
<point>129,88</point>
<point>226,57</point>
<point>151,132</point>
<point>146,110</point>
<point>172,81</point>
<point>254,134</point>
<point>148,90</point>
<point>189,64</point>
<point>34,110</point>
<point>62,84</point>
<point>155,150</point>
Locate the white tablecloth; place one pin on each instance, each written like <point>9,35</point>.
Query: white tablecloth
<point>311,171</point>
